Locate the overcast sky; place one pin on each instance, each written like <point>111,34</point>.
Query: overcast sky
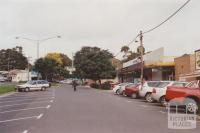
<point>108,24</point>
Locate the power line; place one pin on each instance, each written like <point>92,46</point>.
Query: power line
<point>168,18</point>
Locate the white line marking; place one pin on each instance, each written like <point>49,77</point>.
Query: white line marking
<point>129,101</point>
<point>163,112</point>
<point>51,101</point>
<point>25,100</point>
<point>40,116</point>
<point>25,103</point>
<point>23,118</point>
<point>145,106</point>
<point>48,106</point>
<point>9,111</point>
<point>25,131</point>
<point>26,97</point>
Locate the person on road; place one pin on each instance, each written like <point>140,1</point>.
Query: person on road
<point>74,84</point>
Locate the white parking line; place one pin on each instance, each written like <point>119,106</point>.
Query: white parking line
<point>24,97</point>
<point>26,103</point>
<point>23,118</point>
<point>128,101</point>
<point>40,116</point>
<point>26,100</point>
<point>9,111</point>
<point>144,106</point>
<point>25,131</point>
<point>163,112</point>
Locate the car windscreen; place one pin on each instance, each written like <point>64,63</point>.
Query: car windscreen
<point>153,84</point>
<point>163,84</point>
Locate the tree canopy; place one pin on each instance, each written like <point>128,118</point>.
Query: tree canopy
<point>12,59</point>
<point>50,69</point>
<point>94,63</point>
<point>62,59</point>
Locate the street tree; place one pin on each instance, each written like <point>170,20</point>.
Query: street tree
<point>62,59</point>
<point>94,63</point>
<point>50,69</point>
<point>12,59</point>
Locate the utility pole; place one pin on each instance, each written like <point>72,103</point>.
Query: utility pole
<point>142,60</point>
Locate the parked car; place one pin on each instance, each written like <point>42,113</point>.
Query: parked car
<point>159,92</point>
<point>117,87</point>
<point>146,90</point>
<point>3,79</point>
<point>132,90</point>
<point>66,81</point>
<point>34,85</point>
<point>189,96</point>
<point>122,88</point>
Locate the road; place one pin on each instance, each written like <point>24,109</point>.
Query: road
<point>60,110</point>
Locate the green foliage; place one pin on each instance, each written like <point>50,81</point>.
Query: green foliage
<point>94,63</point>
<point>50,68</point>
<point>6,89</point>
<point>12,59</point>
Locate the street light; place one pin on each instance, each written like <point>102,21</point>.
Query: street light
<point>38,42</point>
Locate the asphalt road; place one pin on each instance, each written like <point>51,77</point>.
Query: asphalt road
<point>61,110</point>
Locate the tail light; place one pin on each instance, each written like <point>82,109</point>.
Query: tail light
<point>154,90</point>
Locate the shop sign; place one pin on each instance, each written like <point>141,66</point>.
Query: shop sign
<point>197,59</point>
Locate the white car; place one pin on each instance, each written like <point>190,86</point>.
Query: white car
<point>2,79</point>
<point>33,85</point>
<point>146,90</point>
<point>117,87</point>
<point>159,92</point>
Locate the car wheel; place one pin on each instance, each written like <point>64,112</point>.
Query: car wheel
<point>27,89</point>
<point>148,98</point>
<point>163,101</point>
<point>117,92</point>
<point>191,105</point>
<point>134,96</point>
<point>43,89</point>
<point>124,94</point>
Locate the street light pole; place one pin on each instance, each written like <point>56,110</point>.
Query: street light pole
<point>38,42</point>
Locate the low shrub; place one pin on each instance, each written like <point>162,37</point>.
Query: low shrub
<point>106,86</point>
<point>94,85</point>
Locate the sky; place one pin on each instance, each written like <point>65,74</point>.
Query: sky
<point>108,24</point>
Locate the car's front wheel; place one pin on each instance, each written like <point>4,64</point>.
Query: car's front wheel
<point>27,89</point>
<point>117,92</point>
<point>163,101</point>
<point>148,98</point>
<point>43,88</point>
<point>191,105</point>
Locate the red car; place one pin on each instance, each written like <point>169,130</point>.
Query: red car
<point>188,96</point>
<point>132,90</point>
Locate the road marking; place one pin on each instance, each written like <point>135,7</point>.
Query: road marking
<point>51,101</point>
<point>23,118</point>
<point>26,100</point>
<point>145,106</point>
<point>163,112</point>
<point>129,101</point>
<point>25,103</point>
<point>40,116</point>
<point>9,111</point>
<point>25,131</point>
<point>26,97</point>
<point>48,106</point>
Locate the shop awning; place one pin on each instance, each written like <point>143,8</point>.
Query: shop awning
<point>160,64</point>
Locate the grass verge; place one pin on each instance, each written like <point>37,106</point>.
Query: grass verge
<point>6,89</point>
